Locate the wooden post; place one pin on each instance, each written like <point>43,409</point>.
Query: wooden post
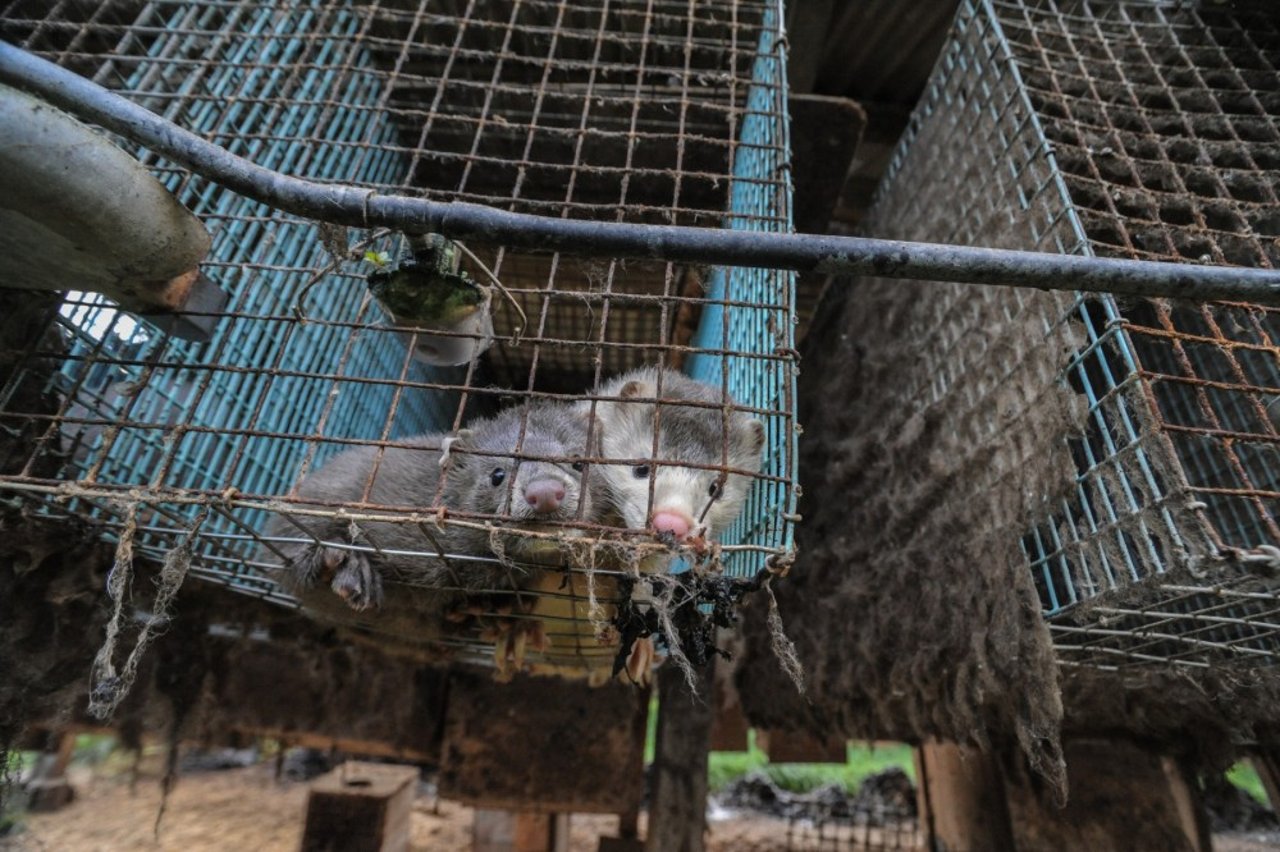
<point>360,806</point>
<point>678,808</point>
<point>1185,793</point>
<point>628,839</point>
<point>729,728</point>
<point>962,800</point>
<point>519,831</point>
<point>1266,763</point>
<point>48,789</point>
<point>801,747</point>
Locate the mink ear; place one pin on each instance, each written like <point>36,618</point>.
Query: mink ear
<point>635,388</point>
<point>756,434</point>
<point>460,441</point>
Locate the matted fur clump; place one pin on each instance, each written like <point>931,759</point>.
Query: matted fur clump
<point>1213,716</point>
<point>910,604</point>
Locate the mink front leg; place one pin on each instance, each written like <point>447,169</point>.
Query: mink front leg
<point>357,582</point>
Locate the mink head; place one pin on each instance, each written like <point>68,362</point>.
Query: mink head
<point>525,466</point>
<point>666,488</point>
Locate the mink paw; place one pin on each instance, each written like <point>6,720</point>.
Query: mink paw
<point>356,582</point>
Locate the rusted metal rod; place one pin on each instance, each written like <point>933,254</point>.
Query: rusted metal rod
<point>359,207</point>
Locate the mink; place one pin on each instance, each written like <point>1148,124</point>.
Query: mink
<point>535,482</point>
<point>687,503</point>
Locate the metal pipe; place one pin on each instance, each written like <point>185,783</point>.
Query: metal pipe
<point>347,205</point>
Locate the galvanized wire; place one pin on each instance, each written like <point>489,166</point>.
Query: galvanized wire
<point>586,111</point>
<point>1159,120</point>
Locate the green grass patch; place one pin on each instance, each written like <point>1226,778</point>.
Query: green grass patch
<point>18,763</point>
<point>861,760</point>
<point>1244,776</point>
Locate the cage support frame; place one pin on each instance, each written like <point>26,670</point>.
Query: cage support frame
<point>822,254</point>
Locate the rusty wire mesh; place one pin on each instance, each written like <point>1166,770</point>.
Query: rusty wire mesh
<point>1125,129</point>
<point>656,112</point>
<point>1163,120</point>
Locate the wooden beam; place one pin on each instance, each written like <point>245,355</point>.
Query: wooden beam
<point>678,806</point>
<point>826,134</point>
<point>808,27</point>
<point>345,745</point>
<point>541,744</point>
<point>620,844</point>
<point>802,747</point>
<point>360,807</point>
<point>49,789</point>
<point>320,695</point>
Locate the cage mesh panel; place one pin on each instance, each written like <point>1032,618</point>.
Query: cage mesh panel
<point>871,831</point>
<point>1143,129</point>
<point>657,112</point>
<point>755,206</point>
<point>144,409</point>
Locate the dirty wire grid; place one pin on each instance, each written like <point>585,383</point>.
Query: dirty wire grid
<point>655,112</point>
<point>1131,130</point>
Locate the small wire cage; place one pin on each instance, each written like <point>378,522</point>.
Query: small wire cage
<point>661,112</point>
<point>1145,129</point>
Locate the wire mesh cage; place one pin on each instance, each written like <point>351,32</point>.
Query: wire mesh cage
<point>1132,130</point>
<point>663,112</point>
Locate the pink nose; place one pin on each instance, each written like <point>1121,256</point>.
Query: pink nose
<point>544,495</point>
<point>671,522</point>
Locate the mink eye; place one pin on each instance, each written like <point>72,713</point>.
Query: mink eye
<point>640,471</point>
<point>714,490</point>
<point>497,476</point>
<point>579,466</point>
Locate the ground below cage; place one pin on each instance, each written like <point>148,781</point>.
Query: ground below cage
<point>247,808</point>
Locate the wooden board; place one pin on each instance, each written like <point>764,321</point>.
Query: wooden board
<point>962,799</point>
<point>519,831</point>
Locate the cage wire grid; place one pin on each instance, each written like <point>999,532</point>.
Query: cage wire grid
<point>1141,129</point>
<point>666,111</point>
<point>864,831</point>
